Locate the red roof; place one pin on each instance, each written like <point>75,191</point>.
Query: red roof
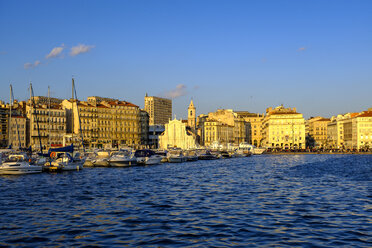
<point>365,114</point>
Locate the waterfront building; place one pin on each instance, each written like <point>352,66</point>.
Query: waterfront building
<point>48,123</point>
<point>229,119</point>
<point>94,100</point>
<point>3,127</point>
<point>144,126</point>
<point>191,120</point>
<point>217,132</point>
<point>154,132</point>
<point>18,132</point>
<point>358,130</point>
<point>283,128</point>
<point>317,129</point>
<point>44,100</point>
<point>200,121</point>
<point>253,126</point>
<point>336,132</point>
<point>159,109</point>
<point>104,124</point>
<point>177,135</point>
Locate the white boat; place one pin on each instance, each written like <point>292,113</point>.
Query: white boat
<point>101,159</point>
<point>65,162</point>
<point>176,156</point>
<point>251,148</point>
<point>147,157</point>
<point>122,158</point>
<point>17,164</point>
<point>258,150</point>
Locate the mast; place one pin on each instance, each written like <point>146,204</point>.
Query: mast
<point>49,117</point>
<point>10,117</point>
<point>72,112</point>
<point>37,120</point>
<point>77,109</point>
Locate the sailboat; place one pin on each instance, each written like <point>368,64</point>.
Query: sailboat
<point>18,163</point>
<point>64,157</point>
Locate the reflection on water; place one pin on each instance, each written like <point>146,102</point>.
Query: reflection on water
<point>301,200</point>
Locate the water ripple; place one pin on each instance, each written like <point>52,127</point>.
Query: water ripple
<point>285,201</point>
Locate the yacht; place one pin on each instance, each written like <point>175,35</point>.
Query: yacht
<point>206,155</point>
<point>122,158</point>
<point>147,157</point>
<point>176,156</point>
<point>101,159</point>
<point>17,164</point>
<point>191,155</point>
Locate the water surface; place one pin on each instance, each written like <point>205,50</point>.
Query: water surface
<point>268,200</point>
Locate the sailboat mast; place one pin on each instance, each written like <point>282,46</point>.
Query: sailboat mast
<point>72,111</point>
<point>10,117</point>
<point>49,117</point>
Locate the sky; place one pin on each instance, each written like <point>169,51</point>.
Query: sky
<point>241,55</point>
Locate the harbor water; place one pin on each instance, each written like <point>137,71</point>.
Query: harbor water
<point>268,200</point>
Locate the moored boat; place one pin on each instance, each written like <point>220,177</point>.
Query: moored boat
<point>147,157</point>
<point>17,164</point>
<point>176,156</point>
<point>122,158</point>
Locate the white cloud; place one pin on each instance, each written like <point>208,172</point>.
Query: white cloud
<point>55,52</point>
<point>180,90</point>
<point>302,49</point>
<point>79,49</point>
<point>32,65</point>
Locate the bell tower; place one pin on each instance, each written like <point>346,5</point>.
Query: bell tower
<point>191,120</point>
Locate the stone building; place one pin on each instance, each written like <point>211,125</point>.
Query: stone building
<point>46,124</point>
<point>177,134</point>
<point>253,126</point>
<point>317,129</point>
<point>104,124</point>
<point>283,128</point>
<point>159,109</point>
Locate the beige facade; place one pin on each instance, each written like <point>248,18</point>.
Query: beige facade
<point>3,127</point>
<point>48,123</point>
<point>253,127</point>
<point>159,110</point>
<point>191,120</point>
<point>218,132</point>
<point>317,128</point>
<point>18,132</point>
<point>283,128</point>
<point>358,131</point>
<point>176,134</point>
<point>105,124</point>
<point>227,117</point>
<point>336,130</point>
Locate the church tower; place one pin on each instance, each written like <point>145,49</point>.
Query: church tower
<point>191,121</point>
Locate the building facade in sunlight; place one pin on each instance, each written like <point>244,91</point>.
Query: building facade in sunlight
<point>159,109</point>
<point>283,128</point>
<point>177,134</point>
<point>317,129</point>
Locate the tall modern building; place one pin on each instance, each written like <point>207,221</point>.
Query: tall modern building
<point>159,110</point>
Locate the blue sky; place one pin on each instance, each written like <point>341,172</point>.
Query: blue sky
<point>243,55</point>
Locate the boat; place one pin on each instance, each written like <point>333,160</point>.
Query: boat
<point>251,148</point>
<point>225,154</point>
<point>101,159</point>
<point>176,156</point>
<point>163,154</point>
<point>206,155</point>
<point>62,159</point>
<point>258,150</point>
<point>147,157</point>
<point>191,155</point>
<point>90,157</point>
<point>17,164</point>
<point>122,158</point>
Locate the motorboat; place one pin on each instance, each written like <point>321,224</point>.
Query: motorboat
<point>251,148</point>
<point>122,158</point>
<point>191,155</point>
<point>176,156</point>
<point>163,154</point>
<point>91,156</point>
<point>62,159</point>
<point>17,164</point>
<point>206,155</point>
<point>102,159</point>
<point>147,157</point>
